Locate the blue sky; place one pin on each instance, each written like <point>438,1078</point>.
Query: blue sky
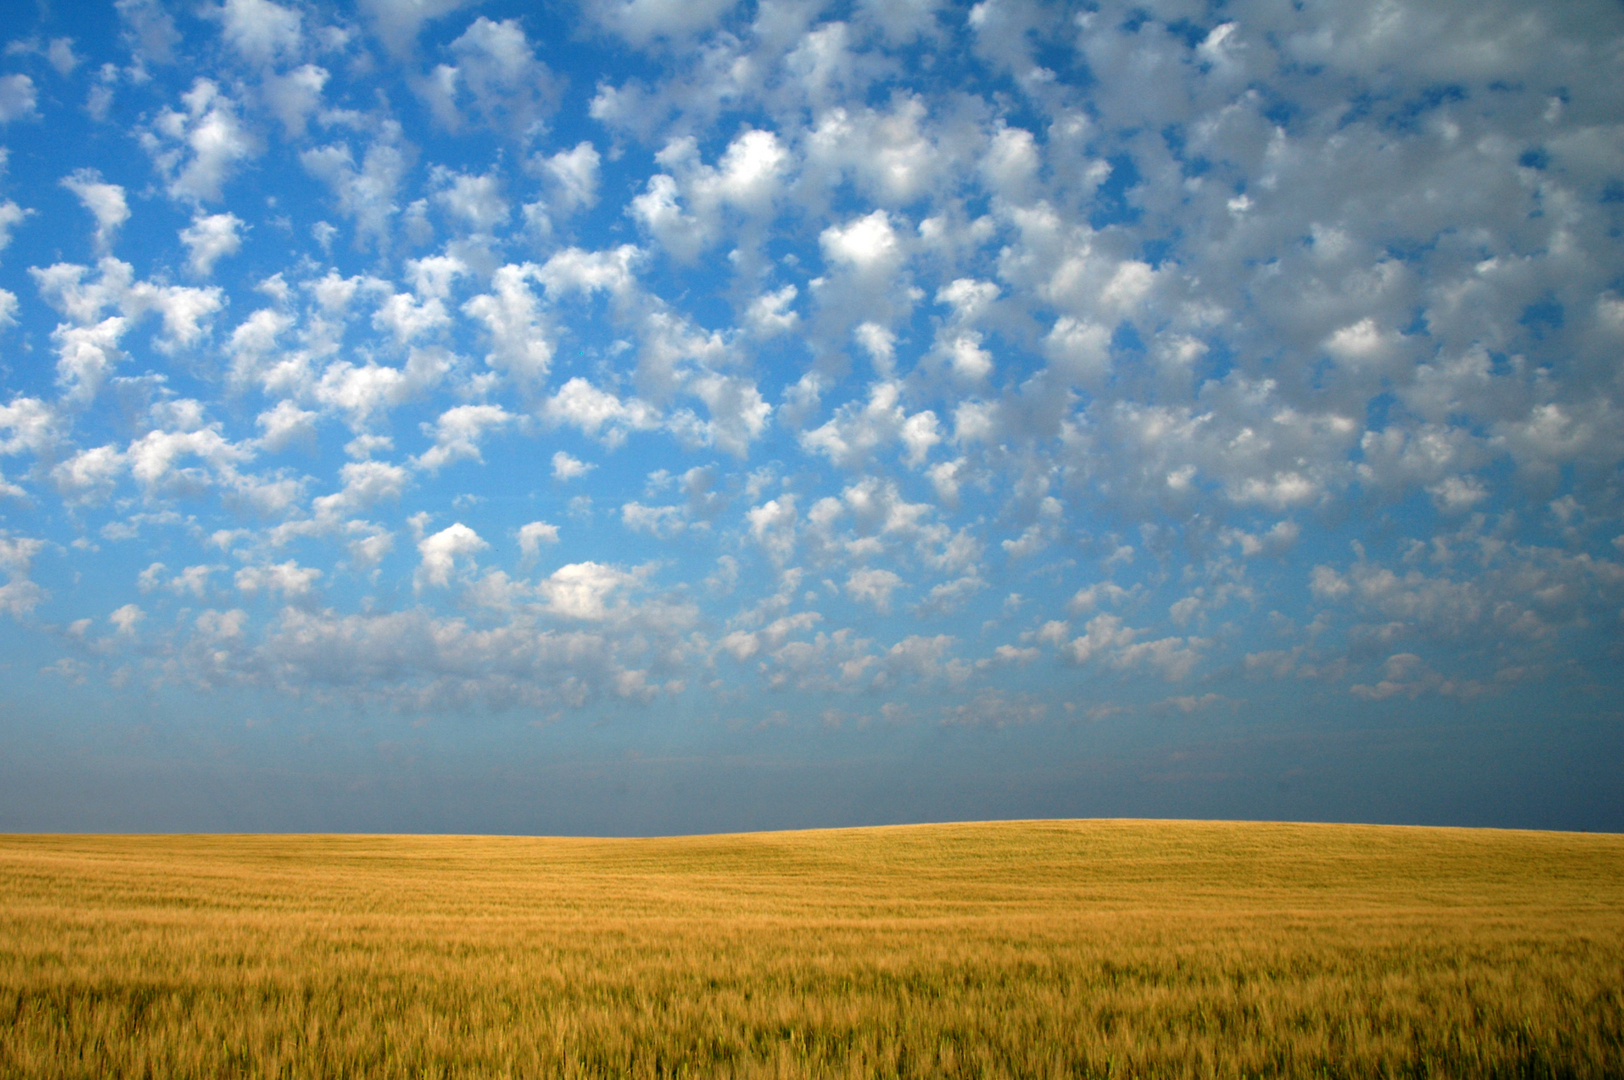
<point>652,416</point>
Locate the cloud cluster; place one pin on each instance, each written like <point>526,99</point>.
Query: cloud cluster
<point>994,357</point>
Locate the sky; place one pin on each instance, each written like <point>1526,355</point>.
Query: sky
<point>659,416</point>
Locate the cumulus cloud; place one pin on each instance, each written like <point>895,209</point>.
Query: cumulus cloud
<point>288,579</point>
<point>441,553</point>
<point>457,434</point>
<point>86,356</point>
<point>770,313</point>
<point>868,245</point>
<point>19,595</point>
<point>149,29</point>
<point>90,475</point>
<point>1093,378</point>
<point>497,74</point>
<point>285,424</point>
<point>105,202</point>
<point>11,216</point>
<point>398,22</point>
<point>567,467</point>
<point>367,192</point>
<point>27,425</point>
<point>367,391</point>
<point>856,431</point>
<point>199,145</point>
<point>576,271</point>
<point>583,590</point>
<point>643,21</point>
<point>210,238</point>
<point>572,178</point>
<point>294,96</point>
<point>17,98</point>
<point>598,413</point>
<point>534,534</point>
<point>261,31</point>
<point>873,587</point>
<point>512,316</point>
<point>687,209</point>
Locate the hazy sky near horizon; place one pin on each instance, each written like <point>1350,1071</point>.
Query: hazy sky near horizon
<point>669,415</point>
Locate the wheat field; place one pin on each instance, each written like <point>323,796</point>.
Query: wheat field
<point>1018,949</point>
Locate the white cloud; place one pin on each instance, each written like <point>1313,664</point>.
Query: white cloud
<point>902,21</point>
<point>868,244</point>
<point>1456,494</point>
<point>1146,345</point>
<point>512,316</point>
<point>27,425</point>
<point>855,432</point>
<point>745,182</point>
<point>409,317</point>
<point>534,534</point>
<point>148,29</point>
<point>192,581</point>
<point>432,277</point>
<point>155,459</point>
<point>738,415</point>
<point>1079,350</point>
<point>365,485</point>
<point>294,96</point>
<point>642,21</point>
<point>85,356</point>
<point>198,146</point>
<point>770,313</point>
<point>253,343</point>
<point>184,311</point>
<point>366,194</point>
<point>126,618</point>
<point>285,424</point>
<point>772,525</point>
<point>61,56</point>
<point>572,177</point>
<point>367,391</point>
<point>11,215</point>
<point>210,238</point>
<point>105,202</point>
<point>873,587</point>
<point>894,156</point>
<point>507,87</point>
<point>865,282</point>
<point>567,467</point>
<point>1173,657</point>
<point>19,595</point>
<point>658,521</point>
<point>398,22</point>
<point>17,98</point>
<point>679,232</point>
<point>369,482</point>
<point>598,413</point>
<point>473,201</point>
<point>441,552</point>
<point>575,270</point>
<point>457,434</point>
<point>261,31</point>
<point>582,590</point>
<point>289,579</point>
<point>89,475</point>
<point>415,660</point>
<point>1103,632</point>
<point>62,285</point>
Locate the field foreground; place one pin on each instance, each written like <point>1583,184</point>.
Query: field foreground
<point>1060,948</point>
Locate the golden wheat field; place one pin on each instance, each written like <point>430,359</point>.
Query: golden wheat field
<point>1022,949</point>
